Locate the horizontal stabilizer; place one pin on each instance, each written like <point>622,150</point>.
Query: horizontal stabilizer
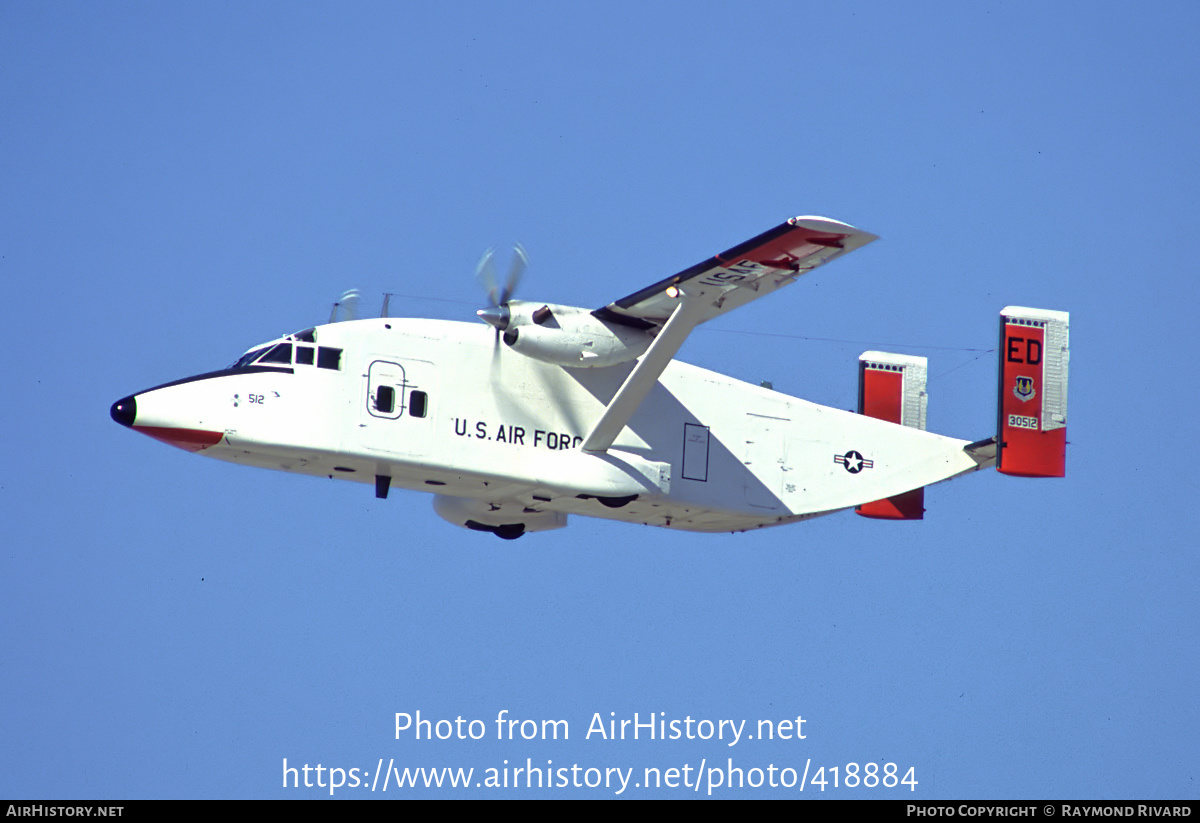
<point>982,452</point>
<point>892,387</point>
<point>1032,426</point>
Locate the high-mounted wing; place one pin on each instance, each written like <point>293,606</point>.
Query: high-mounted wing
<point>743,273</point>
<point>733,278</point>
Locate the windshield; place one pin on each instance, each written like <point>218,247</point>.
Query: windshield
<point>279,353</point>
<point>248,358</point>
<point>274,355</point>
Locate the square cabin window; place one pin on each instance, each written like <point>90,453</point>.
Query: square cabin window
<point>328,358</point>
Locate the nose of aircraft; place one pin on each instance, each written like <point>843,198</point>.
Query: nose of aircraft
<point>124,411</point>
<point>169,419</point>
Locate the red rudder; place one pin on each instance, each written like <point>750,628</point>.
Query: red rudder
<point>892,387</point>
<point>1031,433</point>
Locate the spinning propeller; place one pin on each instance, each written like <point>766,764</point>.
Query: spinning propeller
<point>497,313</point>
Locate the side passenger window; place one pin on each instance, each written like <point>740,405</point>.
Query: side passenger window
<point>385,399</point>
<point>417,401</point>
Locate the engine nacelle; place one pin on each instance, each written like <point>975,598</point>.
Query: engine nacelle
<point>571,336</point>
<point>506,520</point>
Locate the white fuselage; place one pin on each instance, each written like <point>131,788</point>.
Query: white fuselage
<point>445,407</point>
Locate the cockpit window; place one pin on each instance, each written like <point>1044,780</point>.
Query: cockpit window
<point>329,358</point>
<point>248,358</point>
<point>306,336</point>
<point>281,353</point>
<point>326,357</point>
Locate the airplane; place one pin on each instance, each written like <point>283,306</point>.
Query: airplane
<point>546,411</point>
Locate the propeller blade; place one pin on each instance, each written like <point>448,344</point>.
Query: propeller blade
<point>497,314</point>
<point>486,272</point>
<point>519,262</point>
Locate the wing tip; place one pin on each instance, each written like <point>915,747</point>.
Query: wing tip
<point>828,224</point>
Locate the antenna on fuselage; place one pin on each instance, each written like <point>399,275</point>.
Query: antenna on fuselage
<point>387,297</point>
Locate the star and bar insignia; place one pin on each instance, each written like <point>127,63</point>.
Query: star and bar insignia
<point>853,461</point>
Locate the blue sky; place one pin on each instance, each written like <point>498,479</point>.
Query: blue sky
<point>182,182</point>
